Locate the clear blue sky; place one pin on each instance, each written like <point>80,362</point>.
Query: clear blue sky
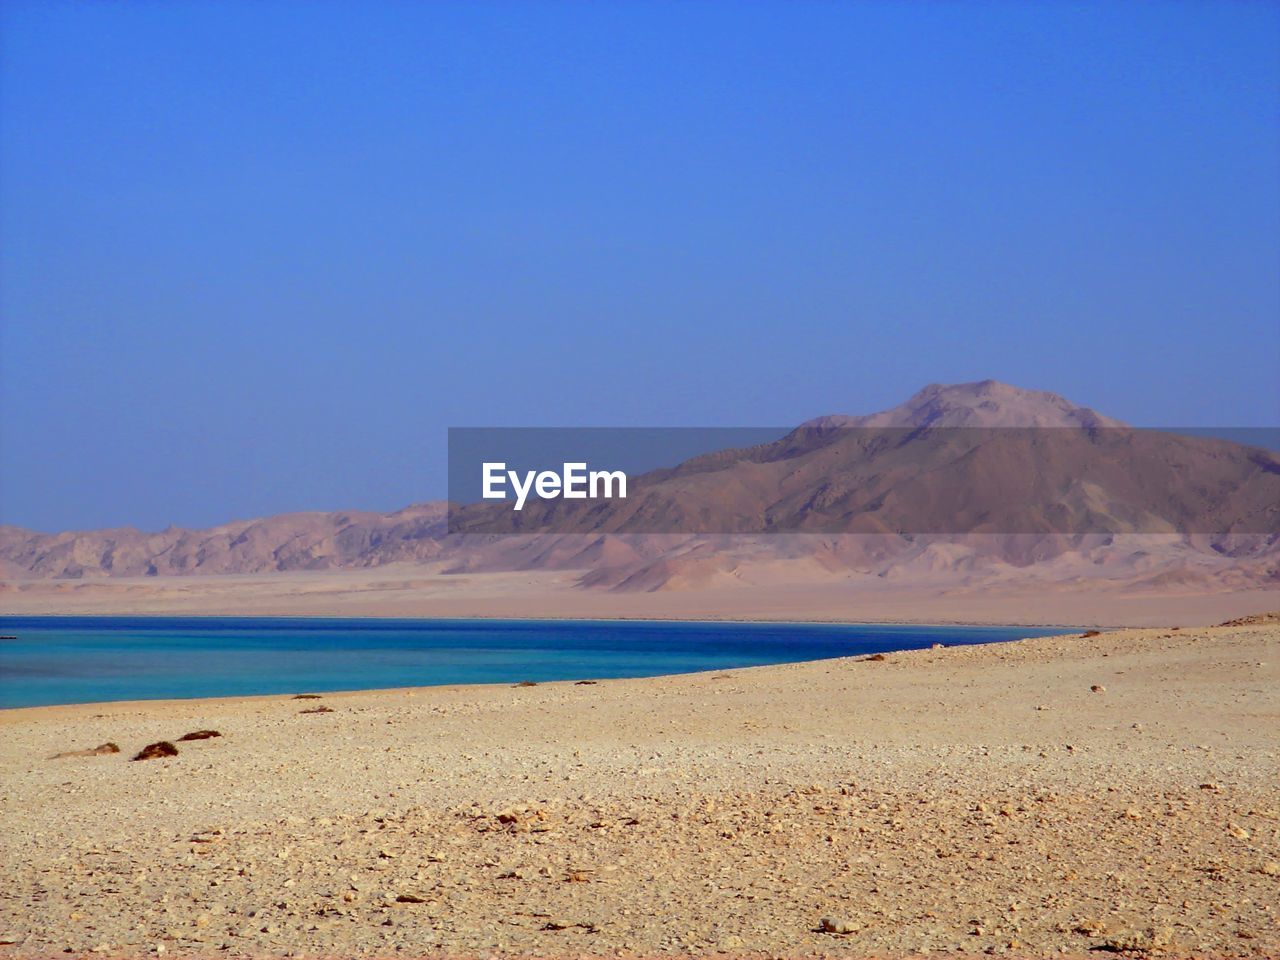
<point>258,257</point>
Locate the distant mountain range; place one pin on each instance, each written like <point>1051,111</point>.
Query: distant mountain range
<point>809,480</point>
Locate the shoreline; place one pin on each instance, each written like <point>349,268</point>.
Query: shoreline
<point>829,621</point>
<point>8,712</point>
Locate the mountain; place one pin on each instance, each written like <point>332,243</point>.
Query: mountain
<point>987,403</point>
<point>804,484</point>
<point>952,460</point>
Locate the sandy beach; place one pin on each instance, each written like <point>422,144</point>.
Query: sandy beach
<point>1051,796</point>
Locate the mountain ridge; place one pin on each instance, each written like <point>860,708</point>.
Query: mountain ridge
<point>615,561</point>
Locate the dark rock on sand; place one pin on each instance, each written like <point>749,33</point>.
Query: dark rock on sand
<point>318,710</point>
<point>199,735</point>
<point>161,748</point>
<point>306,696</point>
<point>568,925</point>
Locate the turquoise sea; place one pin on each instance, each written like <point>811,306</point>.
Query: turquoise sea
<point>90,659</point>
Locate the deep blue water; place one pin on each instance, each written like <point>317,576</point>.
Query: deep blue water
<point>90,659</point>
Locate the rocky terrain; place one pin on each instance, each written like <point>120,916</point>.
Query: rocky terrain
<point>804,480</point>
<point>1114,794</point>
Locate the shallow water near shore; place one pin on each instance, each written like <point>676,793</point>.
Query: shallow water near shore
<point>58,660</point>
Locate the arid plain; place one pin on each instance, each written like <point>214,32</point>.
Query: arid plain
<point>762,591</point>
<point>1065,795</point>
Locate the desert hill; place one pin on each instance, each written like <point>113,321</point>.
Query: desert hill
<point>803,484</point>
<point>951,464</point>
<point>289,541</point>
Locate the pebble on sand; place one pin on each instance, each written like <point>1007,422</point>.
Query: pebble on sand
<point>836,925</point>
<point>102,748</point>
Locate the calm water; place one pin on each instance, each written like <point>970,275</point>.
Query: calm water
<point>88,659</point>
